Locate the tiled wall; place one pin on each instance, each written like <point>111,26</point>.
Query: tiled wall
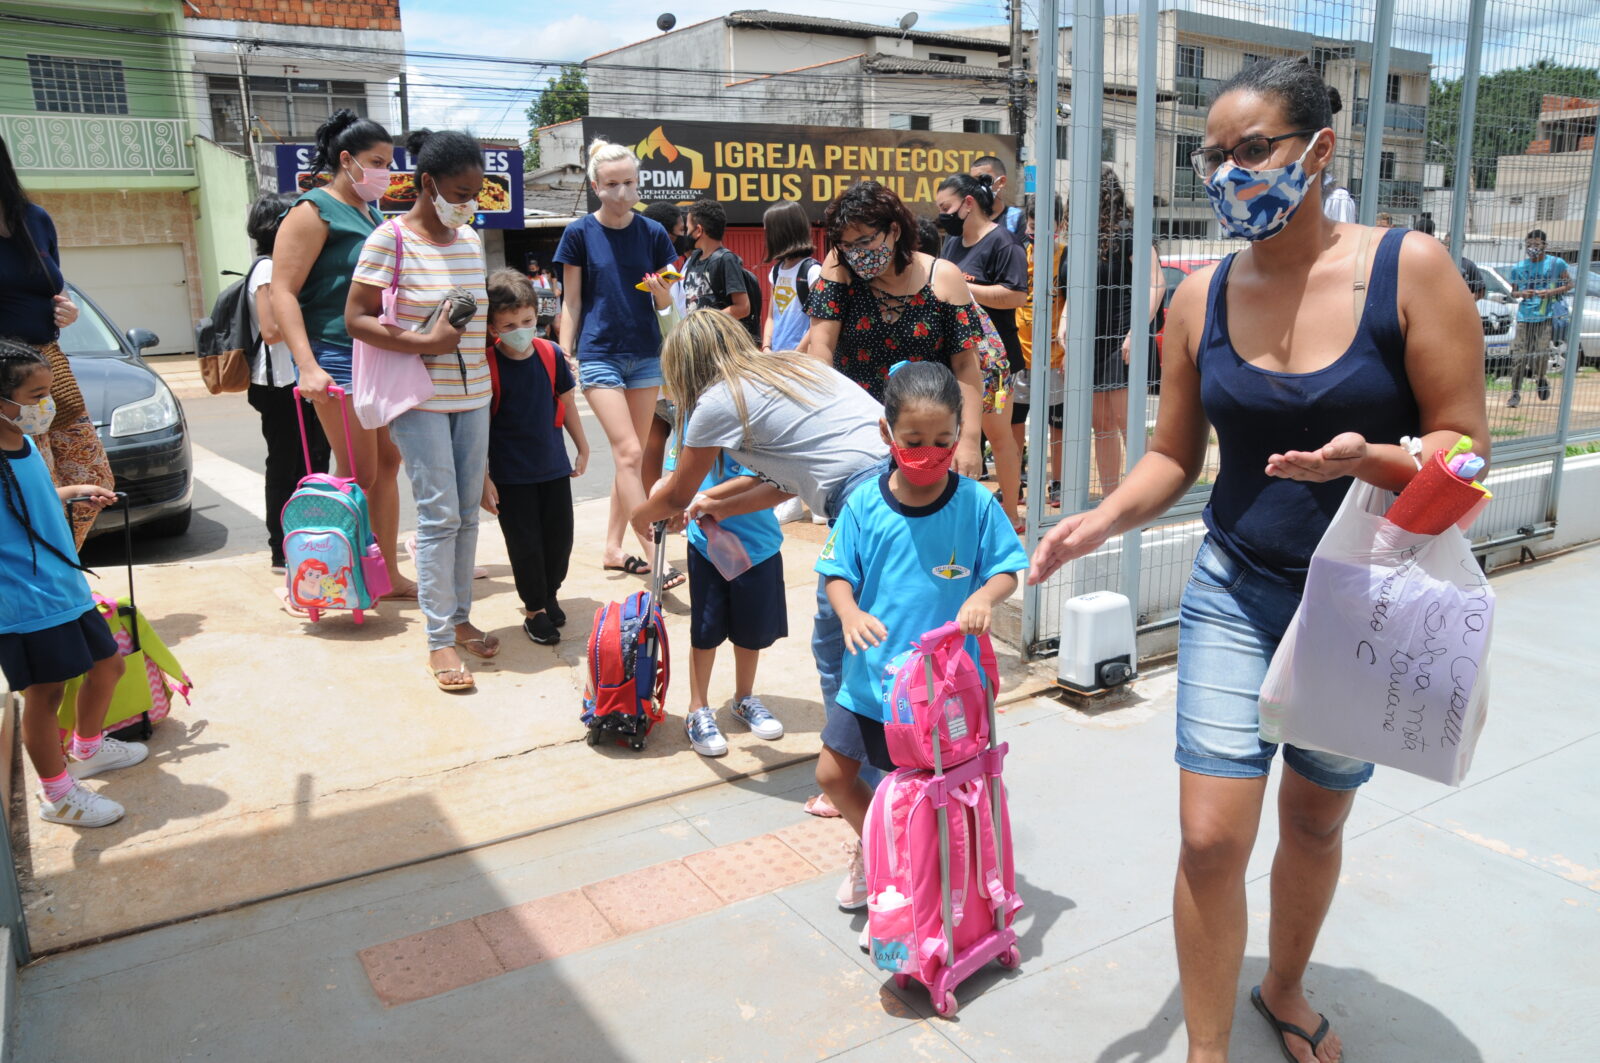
<point>121,219</point>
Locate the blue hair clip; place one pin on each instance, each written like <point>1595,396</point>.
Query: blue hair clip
<point>896,367</point>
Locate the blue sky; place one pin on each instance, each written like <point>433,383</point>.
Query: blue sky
<point>489,99</point>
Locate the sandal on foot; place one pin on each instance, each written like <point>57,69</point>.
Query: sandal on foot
<point>438,674</point>
<point>288,604</point>
<point>633,566</point>
<point>672,578</point>
<point>1282,1029</point>
<point>819,805</point>
<point>483,647</point>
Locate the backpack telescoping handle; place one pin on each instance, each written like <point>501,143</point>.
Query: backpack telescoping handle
<point>344,414</point>
<point>658,567</point>
<point>130,610</point>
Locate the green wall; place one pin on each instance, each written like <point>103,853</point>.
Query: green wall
<point>151,65</point>
<point>222,202</point>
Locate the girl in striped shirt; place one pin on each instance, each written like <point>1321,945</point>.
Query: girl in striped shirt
<point>444,440</point>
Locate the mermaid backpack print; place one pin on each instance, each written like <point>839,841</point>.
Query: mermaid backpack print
<point>330,554</point>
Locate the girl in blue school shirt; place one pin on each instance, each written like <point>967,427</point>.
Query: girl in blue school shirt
<point>907,555</point>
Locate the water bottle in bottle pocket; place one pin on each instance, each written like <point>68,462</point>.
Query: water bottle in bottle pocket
<point>725,550</point>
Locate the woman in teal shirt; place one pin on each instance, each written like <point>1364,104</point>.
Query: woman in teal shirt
<point>315,255</point>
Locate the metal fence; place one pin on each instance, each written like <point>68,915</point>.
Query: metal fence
<point>1471,119</point>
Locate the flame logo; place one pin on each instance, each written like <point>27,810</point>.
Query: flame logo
<point>657,142</point>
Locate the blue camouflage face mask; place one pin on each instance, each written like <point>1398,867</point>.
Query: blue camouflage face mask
<point>1257,204</point>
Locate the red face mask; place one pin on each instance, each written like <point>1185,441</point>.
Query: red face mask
<point>923,466</point>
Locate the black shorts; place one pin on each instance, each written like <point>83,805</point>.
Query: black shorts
<point>751,611</point>
<point>55,654</point>
<point>862,740</point>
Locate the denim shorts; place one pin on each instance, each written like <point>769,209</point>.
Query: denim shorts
<point>337,362</point>
<point>622,371</point>
<point>1230,621</point>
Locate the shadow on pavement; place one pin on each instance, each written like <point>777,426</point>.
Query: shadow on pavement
<point>1361,1003</point>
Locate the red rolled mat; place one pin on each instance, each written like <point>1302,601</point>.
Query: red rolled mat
<point>1434,499</point>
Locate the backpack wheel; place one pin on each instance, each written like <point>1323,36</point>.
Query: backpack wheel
<point>637,743</point>
<point>946,1005</point>
<point>593,737</point>
<point>1012,958</point>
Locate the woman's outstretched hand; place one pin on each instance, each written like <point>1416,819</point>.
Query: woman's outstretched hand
<point>1340,456</point>
<point>1077,535</point>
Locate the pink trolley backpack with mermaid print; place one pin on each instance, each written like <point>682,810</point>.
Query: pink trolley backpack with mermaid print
<point>941,883</point>
<point>330,554</point>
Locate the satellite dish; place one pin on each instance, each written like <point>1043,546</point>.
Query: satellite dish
<point>666,21</point>
<point>908,20</point>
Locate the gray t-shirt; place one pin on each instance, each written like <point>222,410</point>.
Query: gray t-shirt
<point>806,448</point>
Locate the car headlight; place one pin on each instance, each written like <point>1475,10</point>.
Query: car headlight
<point>147,415</point>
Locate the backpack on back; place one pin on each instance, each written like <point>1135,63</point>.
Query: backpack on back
<point>330,554</point>
<point>933,690</point>
<point>802,282</point>
<point>227,340</point>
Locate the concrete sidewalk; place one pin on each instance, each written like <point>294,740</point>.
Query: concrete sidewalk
<point>1465,930</point>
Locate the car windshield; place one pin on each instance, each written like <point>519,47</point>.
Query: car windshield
<point>90,334</point>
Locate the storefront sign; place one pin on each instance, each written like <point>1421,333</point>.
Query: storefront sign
<point>748,168</point>
<point>499,204</point>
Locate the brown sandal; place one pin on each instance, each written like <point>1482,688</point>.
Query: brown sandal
<point>438,675</point>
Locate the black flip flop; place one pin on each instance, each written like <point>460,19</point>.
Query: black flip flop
<point>672,578</point>
<point>633,566</point>
<point>1282,1028</point>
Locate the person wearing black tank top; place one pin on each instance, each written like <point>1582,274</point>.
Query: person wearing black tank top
<point>1311,352</point>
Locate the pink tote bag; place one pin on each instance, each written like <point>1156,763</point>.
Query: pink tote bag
<point>388,383</point>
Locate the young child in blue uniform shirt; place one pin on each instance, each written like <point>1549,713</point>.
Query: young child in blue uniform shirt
<point>749,611</point>
<point>50,631</point>
<point>925,546</point>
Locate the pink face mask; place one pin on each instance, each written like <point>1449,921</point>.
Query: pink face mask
<point>370,185</point>
<point>922,466</point>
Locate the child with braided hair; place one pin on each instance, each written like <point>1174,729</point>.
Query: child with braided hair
<point>50,631</point>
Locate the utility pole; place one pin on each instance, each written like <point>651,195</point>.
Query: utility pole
<point>1018,80</point>
<point>405,104</point>
<point>247,117</point>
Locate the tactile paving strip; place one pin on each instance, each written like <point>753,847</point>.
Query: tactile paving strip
<point>427,964</point>
<point>750,868</point>
<point>540,930</point>
<point>825,843</point>
<point>651,896</point>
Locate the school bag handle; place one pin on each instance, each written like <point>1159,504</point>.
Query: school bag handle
<point>344,414</point>
<point>130,610</point>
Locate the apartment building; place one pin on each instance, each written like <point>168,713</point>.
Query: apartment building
<point>1544,187</point>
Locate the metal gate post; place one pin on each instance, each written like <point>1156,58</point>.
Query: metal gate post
<point>1083,242</point>
<point>1377,111</point>
<point>1580,295</point>
<point>1044,283</point>
<point>1144,172</point>
<point>1464,130</point>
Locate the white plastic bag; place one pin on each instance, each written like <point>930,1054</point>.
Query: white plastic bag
<point>1386,658</point>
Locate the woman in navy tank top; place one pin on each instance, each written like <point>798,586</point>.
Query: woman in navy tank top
<point>1311,353</point>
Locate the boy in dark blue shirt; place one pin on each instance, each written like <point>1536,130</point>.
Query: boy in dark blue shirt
<point>529,485</point>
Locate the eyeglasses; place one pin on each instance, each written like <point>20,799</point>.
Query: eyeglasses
<point>1251,153</point>
<point>864,242</point>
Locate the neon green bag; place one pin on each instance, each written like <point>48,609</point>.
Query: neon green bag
<point>143,697</point>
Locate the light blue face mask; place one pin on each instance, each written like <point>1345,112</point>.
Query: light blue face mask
<point>518,339</point>
<point>1257,204</point>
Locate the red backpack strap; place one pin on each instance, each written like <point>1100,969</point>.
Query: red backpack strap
<point>547,355</point>
<point>608,648</point>
<point>494,373</point>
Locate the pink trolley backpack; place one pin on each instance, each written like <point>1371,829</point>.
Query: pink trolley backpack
<point>941,884</point>
<point>331,556</point>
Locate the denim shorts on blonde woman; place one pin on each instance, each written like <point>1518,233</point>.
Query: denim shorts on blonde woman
<point>1230,621</point>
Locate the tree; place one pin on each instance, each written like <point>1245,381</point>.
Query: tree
<point>1507,113</point>
<point>564,97</point>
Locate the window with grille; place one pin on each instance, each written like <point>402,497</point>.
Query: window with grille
<point>1191,61</point>
<point>1550,208</point>
<point>980,125</point>
<point>78,86</point>
<point>1386,166</point>
<point>946,57</point>
<point>910,121</point>
<point>287,108</point>
<point>1393,93</point>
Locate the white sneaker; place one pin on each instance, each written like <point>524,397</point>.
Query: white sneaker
<point>80,807</point>
<point>852,892</point>
<point>750,712</point>
<point>704,735</point>
<point>790,511</point>
<point>113,754</point>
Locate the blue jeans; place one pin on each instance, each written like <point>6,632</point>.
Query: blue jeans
<point>827,634</point>
<point>337,362</point>
<point>446,455</point>
<point>1230,621</point>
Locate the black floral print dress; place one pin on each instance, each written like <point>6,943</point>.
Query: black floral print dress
<point>878,330</point>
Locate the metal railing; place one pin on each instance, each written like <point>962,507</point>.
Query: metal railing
<point>1400,117</point>
<point>1392,194</point>
<point>97,144</point>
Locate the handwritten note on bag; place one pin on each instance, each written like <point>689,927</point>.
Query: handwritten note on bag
<point>1386,658</point>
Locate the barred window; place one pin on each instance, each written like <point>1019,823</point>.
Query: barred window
<point>78,86</point>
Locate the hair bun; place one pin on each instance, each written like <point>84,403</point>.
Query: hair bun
<point>986,180</point>
<point>415,139</point>
<point>1335,101</point>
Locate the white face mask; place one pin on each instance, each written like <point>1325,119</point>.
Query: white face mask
<point>518,339</point>
<point>625,194</point>
<point>453,215</point>
<point>34,420</point>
